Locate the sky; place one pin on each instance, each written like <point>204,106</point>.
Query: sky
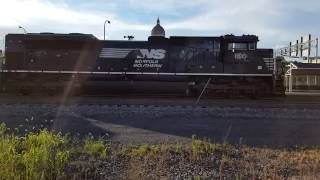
<point>276,22</point>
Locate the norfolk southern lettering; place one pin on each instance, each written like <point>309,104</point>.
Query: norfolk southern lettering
<point>149,58</point>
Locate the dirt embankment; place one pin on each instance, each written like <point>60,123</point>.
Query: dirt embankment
<point>198,160</point>
<point>47,155</point>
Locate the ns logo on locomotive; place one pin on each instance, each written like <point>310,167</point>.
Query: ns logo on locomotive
<point>149,58</point>
<point>222,65</point>
<point>152,54</point>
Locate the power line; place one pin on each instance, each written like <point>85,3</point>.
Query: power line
<point>300,49</point>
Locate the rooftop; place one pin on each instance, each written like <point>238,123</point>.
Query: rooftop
<point>307,65</point>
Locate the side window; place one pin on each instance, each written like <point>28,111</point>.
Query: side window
<point>241,46</point>
<point>216,46</point>
<point>237,46</point>
<point>230,46</point>
<point>252,46</point>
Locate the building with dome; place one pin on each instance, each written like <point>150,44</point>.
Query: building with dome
<point>158,30</point>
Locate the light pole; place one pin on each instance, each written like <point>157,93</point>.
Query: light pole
<point>24,30</point>
<point>104,28</point>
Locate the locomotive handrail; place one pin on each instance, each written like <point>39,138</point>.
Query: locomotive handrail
<point>137,73</point>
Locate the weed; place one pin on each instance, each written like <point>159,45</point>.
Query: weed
<point>9,157</point>
<point>223,162</point>
<point>2,129</point>
<point>36,156</point>
<point>97,148</point>
<point>201,148</point>
<point>178,147</point>
<point>155,150</point>
<point>139,151</point>
<point>238,176</point>
<point>196,178</point>
<point>44,154</point>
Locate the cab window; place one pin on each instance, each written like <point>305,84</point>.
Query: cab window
<point>238,46</point>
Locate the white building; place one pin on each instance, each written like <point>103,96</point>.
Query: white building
<point>303,76</point>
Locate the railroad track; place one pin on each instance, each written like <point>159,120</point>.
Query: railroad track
<point>161,100</point>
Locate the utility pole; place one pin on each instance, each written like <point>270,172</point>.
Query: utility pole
<point>309,48</point>
<point>104,28</point>
<point>24,30</point>
<point>317,49</point>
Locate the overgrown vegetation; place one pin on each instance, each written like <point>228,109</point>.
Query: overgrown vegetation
<point>96,148</point>
<point>35,156</point>
<point>45,155</point>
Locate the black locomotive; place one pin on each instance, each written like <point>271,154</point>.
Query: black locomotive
<point>52,63</point>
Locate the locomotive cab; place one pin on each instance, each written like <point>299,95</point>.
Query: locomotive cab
<point>241,55</point>
<point>246,68</point>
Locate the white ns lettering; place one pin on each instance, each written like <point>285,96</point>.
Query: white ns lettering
<point>152,54</point>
